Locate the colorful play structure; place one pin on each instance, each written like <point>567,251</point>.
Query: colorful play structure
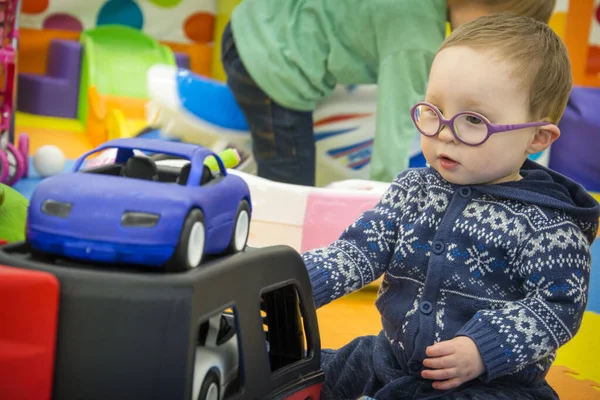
<point>83,83</point>
<point>83,80</point>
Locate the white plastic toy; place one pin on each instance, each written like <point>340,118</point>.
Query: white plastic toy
<point>48,160</point>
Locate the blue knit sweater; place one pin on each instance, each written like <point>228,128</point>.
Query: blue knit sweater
<point>507,265</point>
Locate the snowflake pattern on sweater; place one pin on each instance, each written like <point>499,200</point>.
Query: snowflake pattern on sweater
<point>506,265</point>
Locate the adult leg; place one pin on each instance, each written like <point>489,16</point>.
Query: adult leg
<point>283,139</point>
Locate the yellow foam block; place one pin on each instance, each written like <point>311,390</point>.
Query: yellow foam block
<point>582,353</point>
<point>558,22</point>
<point>119,126</point>
<point>349,317</point>
<point>24,120</point>
<point>136,125</point>
<point>73,144</point>
<point>223,14</point>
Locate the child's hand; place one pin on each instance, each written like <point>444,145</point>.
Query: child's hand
<point>453,362</point>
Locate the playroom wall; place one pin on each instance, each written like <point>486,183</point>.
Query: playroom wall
<point>191,26</point>
<point>187,26</point>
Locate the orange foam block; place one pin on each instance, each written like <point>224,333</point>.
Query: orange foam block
<point>100,106</point>
<point>569,387</point>
<point>200,55</point>
<point>34,45</point>
<point>577,38</point>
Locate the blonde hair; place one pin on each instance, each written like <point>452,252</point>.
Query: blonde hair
<point>539,57</point>
<point>540,10</point>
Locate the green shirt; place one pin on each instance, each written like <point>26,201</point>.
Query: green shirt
<point>298,50</point>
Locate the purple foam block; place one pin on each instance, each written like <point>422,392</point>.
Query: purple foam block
<point>182,60</point>
<point>576,153</point>
<point>55,94</point>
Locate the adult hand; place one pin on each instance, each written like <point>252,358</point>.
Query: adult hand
<point>452,363</point>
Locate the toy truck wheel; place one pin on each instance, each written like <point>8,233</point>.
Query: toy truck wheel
<point>241,229</point>
<point>210,389</point>
<point>190,249</point>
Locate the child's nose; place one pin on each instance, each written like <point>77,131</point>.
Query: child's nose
<point>446,135</point>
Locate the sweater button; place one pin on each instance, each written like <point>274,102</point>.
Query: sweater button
<point>426,307</point>
<point>438,247</point>
<point>414,366</point>
<point>465,192</point>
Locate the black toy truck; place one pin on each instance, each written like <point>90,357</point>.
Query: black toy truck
<point>239,327</point>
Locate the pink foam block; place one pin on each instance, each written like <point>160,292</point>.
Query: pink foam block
<point>328,214</point>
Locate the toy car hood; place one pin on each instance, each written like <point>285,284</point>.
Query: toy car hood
<point>100,197</point>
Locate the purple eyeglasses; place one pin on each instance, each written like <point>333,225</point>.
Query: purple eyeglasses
<point>468,127</point>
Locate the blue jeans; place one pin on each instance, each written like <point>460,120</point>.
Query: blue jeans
<point>283,140</point>
<point>370,366</point>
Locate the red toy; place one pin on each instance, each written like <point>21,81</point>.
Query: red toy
<point>28,320</point>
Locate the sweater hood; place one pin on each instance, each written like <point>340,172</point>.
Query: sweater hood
<point>548,189</point>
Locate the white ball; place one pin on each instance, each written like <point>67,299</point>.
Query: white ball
<point>48,160</point>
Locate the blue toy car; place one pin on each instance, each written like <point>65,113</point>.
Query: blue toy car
<point>137,211</point>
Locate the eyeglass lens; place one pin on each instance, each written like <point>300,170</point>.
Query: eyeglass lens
<point>468,127</point>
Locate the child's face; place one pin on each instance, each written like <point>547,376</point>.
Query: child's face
<point>464,79</point>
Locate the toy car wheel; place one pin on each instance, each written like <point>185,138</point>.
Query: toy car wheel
<point>241,229</point>
<point>210,389</point>
<point>190,249</point>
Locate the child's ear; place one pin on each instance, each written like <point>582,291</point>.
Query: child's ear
<point>545,136</point>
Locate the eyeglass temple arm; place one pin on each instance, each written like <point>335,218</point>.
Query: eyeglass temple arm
<point>505,128</point>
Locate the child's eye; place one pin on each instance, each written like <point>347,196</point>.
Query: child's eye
<point>474,120</point>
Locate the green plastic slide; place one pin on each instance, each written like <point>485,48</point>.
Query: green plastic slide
<point>115,60</point>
